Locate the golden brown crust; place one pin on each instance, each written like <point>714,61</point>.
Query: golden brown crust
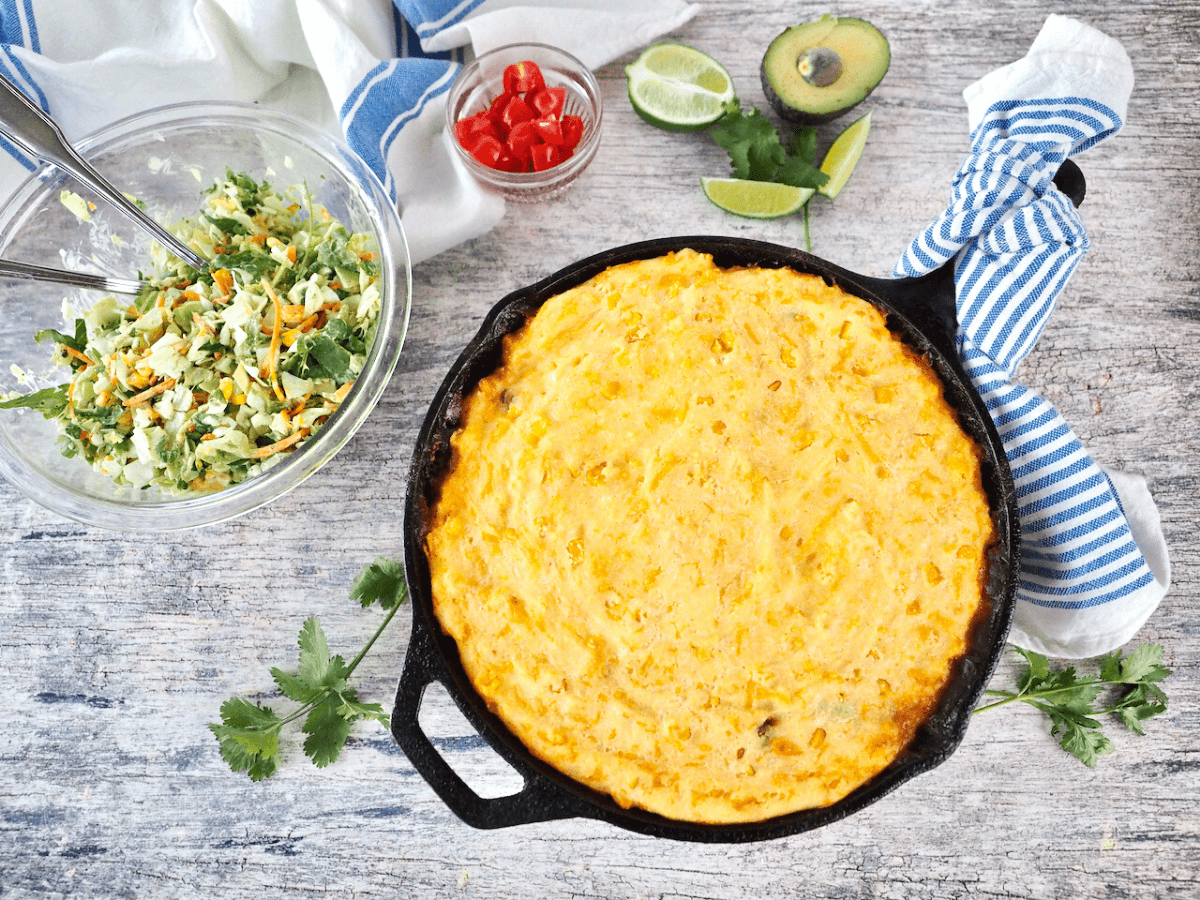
<point>711,540</point>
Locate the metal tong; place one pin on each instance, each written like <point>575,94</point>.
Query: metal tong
<point>32,131</point>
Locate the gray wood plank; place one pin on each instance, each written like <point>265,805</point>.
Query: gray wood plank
<point>117,650</point>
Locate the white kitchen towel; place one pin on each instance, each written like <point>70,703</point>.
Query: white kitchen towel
<point>1093,558</point>
<point>375,70</point>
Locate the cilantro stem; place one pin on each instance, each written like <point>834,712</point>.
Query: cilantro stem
<point>807,234</point>
<point>378,631</point>
<point>1032,695</point>
<point>303,710</point>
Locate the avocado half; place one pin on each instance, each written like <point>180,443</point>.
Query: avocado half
<point>815,72</point>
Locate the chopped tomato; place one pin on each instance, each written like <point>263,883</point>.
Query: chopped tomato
<point>516,110</point>
<point>545,156</point>
<point>472,128</point>
<point>523,129</point>
<point>548,101</point>
<point>549,129</point>
<point>523,76</point>
<point>522,138</point>
<point>572,129</point>
<point>496,110</point>
<point>487,150</point>
<point>509,163</point>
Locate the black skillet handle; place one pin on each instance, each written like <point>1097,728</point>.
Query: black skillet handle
<point>537,801</point>
<point>1069,179</point>
<point>930,300</point>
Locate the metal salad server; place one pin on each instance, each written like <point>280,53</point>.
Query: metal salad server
<point>29,272</point>
<point>30,129</point>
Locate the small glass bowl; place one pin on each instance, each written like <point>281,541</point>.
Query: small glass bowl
<point>166,157</point>
<point>482,80</point>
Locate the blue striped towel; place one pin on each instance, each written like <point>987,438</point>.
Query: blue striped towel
<point>1094,562</point>
<point>376,70</point>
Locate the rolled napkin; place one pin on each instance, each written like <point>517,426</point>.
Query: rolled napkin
<point>1093,558</point>
<point>377,72</point>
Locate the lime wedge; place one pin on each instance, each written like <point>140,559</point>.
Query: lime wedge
<point>755,199</point>
<point>677,87</point>
<point>843,156</point>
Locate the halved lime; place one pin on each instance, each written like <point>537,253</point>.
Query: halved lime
<point>755,199</point>
<point>677,87</point>
<point>843,156</point>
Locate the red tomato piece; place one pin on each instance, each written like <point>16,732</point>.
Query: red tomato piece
<point>523,76</point>
<point>548,101</point>
<point>509,163</point>
<point>472,128</point>
<point>496,110</point>
<point>545,156</point>
<point>572,129</point>
<point>549,129</point>
<point>521,139</point>
<point>487,150</point>
<point>516,110</point>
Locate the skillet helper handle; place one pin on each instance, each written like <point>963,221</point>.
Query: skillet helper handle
<point>537,801</point>
<point>38,135</point>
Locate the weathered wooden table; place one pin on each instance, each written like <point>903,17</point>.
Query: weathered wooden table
<point>115,651</point>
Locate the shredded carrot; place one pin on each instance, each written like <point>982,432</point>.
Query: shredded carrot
<point>341,392</point>
<point>291,254</point>
<point>71,351</point>
<point>223,279</point>
<point>150,393</point>
<point>271,449</point>
<point>276,332</point>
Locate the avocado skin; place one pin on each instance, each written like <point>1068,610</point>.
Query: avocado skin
<point>793,114</point>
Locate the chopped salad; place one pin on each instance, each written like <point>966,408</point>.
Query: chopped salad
<point>208,378</point>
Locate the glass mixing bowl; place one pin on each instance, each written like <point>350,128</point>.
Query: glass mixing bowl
<point>165,158</point>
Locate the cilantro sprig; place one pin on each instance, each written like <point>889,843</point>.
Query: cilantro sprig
<point>249,732</point>
<point>757,153</point>
<point>50,402</point>
<point>1071,701</point>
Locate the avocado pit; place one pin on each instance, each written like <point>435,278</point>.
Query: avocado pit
<point>820,66</point>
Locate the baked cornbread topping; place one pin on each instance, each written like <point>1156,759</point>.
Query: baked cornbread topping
<point>711,540</point>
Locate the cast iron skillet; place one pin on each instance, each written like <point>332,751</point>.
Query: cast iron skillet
<point>921,312</point>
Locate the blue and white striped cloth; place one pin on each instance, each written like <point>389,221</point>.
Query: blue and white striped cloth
<point>376,70</point>
<point>1094,563</point>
